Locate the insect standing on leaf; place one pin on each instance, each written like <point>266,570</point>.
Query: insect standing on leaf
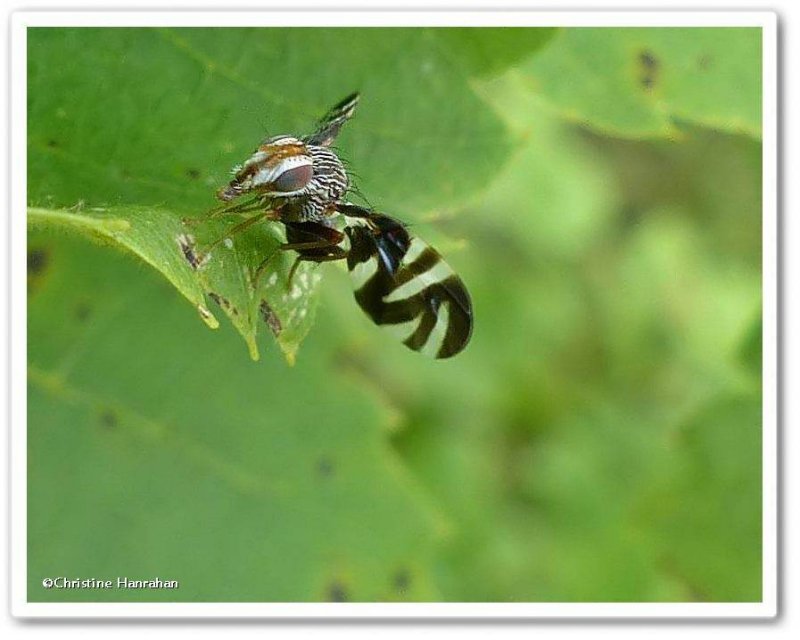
<point>399,281</point>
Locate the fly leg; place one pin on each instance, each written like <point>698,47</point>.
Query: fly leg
<point>312,241</point>
<point>336,253</point>
<point>226,209</point>
<point>236,229</point>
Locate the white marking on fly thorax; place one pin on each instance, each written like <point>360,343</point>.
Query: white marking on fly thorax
<point>282,140</point>
<point>257,158</point>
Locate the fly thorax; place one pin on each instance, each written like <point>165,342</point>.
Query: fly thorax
<point>330,179</point>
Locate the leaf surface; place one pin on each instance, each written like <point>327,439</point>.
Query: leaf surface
<point>638,82</point>
<point>156,450</point>
<point>146,123</point>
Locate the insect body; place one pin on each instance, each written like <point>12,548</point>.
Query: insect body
<point>399,281</point>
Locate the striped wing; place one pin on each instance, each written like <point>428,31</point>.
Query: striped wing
<point>328,127</point>
<point>403,284</point>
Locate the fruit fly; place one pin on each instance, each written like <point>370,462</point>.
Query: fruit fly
<point>399,281</point>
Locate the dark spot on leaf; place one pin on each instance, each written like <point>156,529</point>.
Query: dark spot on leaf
<point>223,302</point>
<point>705,62</point>
<point>337,592</point>
<point>270,318</point>
<point>186,243</point>
<point>631,216</point>
<point>192,174</point>
<point>402,581</point>
<point>52,143</point>
<point>37,261</point>
<point>82,311</point>
<point>108,419</point>
<point>648,69</point>
<point>325,467</point>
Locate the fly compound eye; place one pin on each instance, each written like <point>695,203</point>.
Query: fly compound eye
<point>294,179</point>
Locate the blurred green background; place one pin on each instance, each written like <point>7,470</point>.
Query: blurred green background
<point>599,191</point>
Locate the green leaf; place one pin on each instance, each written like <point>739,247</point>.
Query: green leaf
<point>146,123</point>
<point>144,116</point>
<point>155,449</point>
<point>637,82</point>
<point>488,51</point>
<point>224,274</point>
<point>145,233</point>
<point>607,398</point>
<point>630,277</point>
<point>707,515</point>
<point>751,352</point>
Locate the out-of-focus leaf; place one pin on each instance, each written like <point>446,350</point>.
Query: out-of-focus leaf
<point>636,82</point>
<point>666,305</point>
<point>707,516</point>
<point>714,177</point>
<point>156,450</point>
<point>751,349</point>
<point>487,51</point>
<point>613,284</point>
<point>225,274</point>
<point>534,197</point>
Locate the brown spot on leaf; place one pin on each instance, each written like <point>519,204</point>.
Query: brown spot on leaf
<point>108,419</point>
<point>192,174</point>
<point>223,302</point>
<point>337,592</point>
<point>37,261</point>
<point>52,143</point>
<point>186,243</point>
<point>705,62</point>
<point>325,467</point>
<point>82,311</point>
<point>649,67</point>
<point>270,318</point>
<point>402,580</point>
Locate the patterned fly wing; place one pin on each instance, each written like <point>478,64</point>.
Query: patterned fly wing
<point>403,284</point>
<point>328,127</point>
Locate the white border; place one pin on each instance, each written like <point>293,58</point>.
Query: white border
<point>18,449</point>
